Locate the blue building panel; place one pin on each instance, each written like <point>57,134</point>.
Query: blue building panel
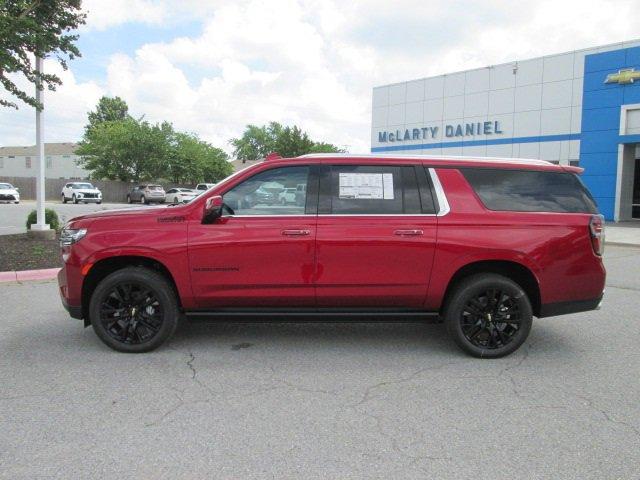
<point>605,61</point>
<point>601,117</point>
<point>601,107</point>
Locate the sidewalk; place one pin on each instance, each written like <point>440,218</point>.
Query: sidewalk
<point>623,233</point>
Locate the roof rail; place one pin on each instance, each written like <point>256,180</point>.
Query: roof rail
<point>444,158</point>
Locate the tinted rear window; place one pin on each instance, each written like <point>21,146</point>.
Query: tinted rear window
<point>530,191</point>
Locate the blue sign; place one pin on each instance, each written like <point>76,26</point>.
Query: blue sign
<point>451,131</point>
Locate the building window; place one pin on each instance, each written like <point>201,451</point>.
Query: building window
<point>1,162</point>
<point>49,162</point>
<point>27,162</point>
<point>574,163</point>
<point>66,156</point>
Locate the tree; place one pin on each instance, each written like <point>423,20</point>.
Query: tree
<point>193,160</point>
<point>135,150</point>
<point>40,28</point>
<point>257,142</point>
<point>126,150</point>
<point>109,109</point>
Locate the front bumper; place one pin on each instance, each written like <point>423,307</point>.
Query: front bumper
<point>64,289</point>
<point>75,311</point>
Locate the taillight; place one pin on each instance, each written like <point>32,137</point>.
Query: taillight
<point>596,228</point>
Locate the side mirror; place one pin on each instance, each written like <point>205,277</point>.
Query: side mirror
<point>212,209</point>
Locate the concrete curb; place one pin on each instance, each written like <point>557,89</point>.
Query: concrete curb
<point>28,275</point>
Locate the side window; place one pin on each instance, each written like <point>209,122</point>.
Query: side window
<point>271,192</point>
<point>530,191</point>
<point>373,190</point>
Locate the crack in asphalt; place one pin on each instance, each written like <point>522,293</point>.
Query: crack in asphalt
<point>606,415</point>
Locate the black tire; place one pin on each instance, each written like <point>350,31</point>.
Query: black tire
<point>64,199</point>
<point>115,318</point>
<point>175,200</point>
<point>75,199</point>
<point>128,198</point>
<point>143,200</point>
<point>99,202</point>
<point>488,315</point>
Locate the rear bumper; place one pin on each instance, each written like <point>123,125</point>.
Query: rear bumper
<point>564,308</point>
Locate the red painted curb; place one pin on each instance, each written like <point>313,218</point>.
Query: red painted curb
<point>26,275</point>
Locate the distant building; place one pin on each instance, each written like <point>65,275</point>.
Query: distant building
<point>242,164</point>
<point>60,161</point>
<point>575,108</point>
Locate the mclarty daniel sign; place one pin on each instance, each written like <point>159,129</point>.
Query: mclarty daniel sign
<point>455,130</point>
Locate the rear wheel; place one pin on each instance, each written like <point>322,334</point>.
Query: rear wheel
<point>134,310</point>
<point>488,315</point>
<point>64,199</point>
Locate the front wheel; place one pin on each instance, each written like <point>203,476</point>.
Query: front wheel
<point>488,315</point>
<point>143,200</point>
<point>75,200</point>
<point>134,310</point>
<point>64,199</point>
<point>128,198</point>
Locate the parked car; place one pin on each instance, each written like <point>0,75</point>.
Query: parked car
<point>77,192</point>
<point>203,187</point>
<point>181,195</point>
<point>483,245</point>
<point>146,193</point>
<point>9,193</point>
<point>288,195</point>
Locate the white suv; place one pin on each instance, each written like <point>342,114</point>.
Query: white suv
<point>203,187</point>
<point>80,192</point>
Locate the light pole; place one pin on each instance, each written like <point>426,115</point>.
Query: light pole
<point>40,228</point>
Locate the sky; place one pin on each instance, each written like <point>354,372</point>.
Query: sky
<point>211,67</point>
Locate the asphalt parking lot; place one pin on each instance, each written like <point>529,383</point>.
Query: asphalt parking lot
<point>386,400</point>
<point>13,217</point>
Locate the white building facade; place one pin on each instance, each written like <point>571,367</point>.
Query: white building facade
<point>578,108</point>
<point>60,162</point>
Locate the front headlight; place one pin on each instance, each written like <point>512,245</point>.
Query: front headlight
<point>70,236</point>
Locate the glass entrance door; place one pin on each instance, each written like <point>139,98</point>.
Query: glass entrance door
<point>635,209</point>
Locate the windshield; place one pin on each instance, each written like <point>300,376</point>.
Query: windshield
<point>154,187</point>
<point>77,186</point>
<point>5,186</point>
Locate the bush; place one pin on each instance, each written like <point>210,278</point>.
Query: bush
<point>50,217</point>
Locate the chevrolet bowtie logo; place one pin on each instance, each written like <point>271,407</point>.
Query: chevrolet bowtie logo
<point>623,77</point>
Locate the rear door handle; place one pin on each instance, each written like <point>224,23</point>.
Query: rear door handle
<point>296,233</point>
<point>408,233</point>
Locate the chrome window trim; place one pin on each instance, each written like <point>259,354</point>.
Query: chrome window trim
<point>443,203</point>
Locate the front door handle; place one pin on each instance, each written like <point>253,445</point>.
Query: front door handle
<point>408,233</point>
<point>296,233</point>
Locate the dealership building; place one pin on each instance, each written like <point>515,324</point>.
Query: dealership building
<point>575,108</point>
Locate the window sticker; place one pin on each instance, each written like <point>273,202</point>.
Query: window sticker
<point>363,186</point>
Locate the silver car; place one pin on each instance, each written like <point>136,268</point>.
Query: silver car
<point>146,193</point>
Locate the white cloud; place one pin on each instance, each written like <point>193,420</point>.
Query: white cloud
<point>64,114</point>
<point>313,62</point>
<point>103,14</point>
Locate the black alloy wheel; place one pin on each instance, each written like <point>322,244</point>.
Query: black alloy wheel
<point>489,316</point>
<point>134,310</point>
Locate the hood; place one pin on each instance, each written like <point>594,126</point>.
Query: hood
<point>124,212</point>
<point>8,190</point>
<point>87,190</point>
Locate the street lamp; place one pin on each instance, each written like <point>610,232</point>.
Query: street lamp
<point>40,228</point>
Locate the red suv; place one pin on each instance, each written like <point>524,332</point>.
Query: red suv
<point>482,244</point>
